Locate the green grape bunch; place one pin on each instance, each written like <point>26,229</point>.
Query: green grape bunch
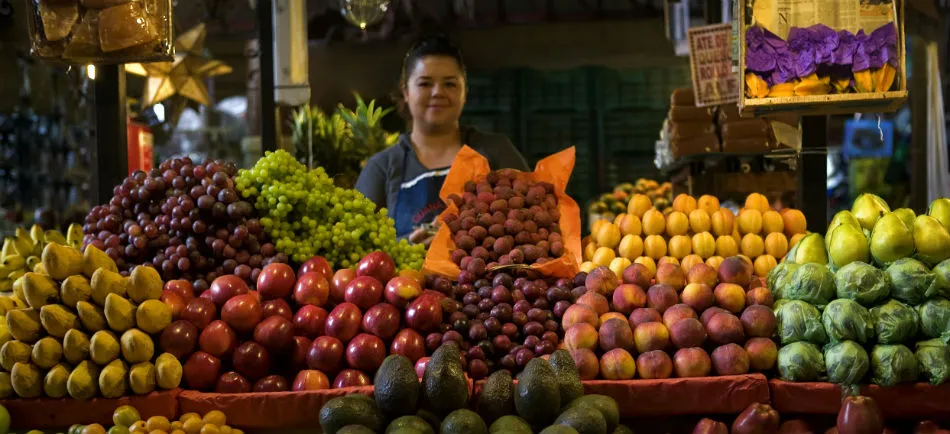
<point>307,215</point>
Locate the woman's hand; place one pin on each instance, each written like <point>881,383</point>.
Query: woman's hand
<point>424,234</point>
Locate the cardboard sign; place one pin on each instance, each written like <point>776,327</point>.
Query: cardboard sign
<point>710,60</point>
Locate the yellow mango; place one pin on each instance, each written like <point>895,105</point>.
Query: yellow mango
<point>841,85</point>
<point>812,87</point>
<point>883,78</point>
<point>783,89</point>
<point>755,86</point>
<point>863,81</point>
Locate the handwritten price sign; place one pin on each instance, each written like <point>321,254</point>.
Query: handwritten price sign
<point>710,59</point>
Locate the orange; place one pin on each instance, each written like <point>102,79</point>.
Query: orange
<point>772,222</point>
<point>689,261</point>
<point>210,429</point>
<point>125,415</point>
<point>639,204</point>
<point>138,427</point>
<point>794,221</point>
<point>654,222</point>
<point>764,264</point>
<point>757,201</point>
<point>776,244</point>
<point>723,222</point>
<point>648,262</point>
<point>215,417</point>
<point>654,246</point>
<point>708,203</point>
<point>679,246</point>
<point>631,247</point>
<point>699,221</point>
<point>159,423</point>
<point>704,244</point>
<point>714,262</point>
<point>602,258</point>
<point>726,246</point>
<point>752,245</point>
<point>94,429</point>
<point>684,203</point>
<point>677,223</point>
<point>750,221</point>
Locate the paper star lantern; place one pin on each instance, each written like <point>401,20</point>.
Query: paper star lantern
<point>185,76</point>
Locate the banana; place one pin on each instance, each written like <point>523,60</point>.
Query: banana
<point>53,236</point>
<point>14,275</point>
<point>37,234</point>
<point>32,261</point>
<point>74,235</point>
<point>6,285</point>
<point>8,248</point>
<point>13,262</point>
<point>23,243</point>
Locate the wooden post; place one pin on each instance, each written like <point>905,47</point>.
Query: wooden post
<point>111,142</point>
<point>812,197</point>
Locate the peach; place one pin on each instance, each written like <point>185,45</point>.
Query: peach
<point>735,269</point>
<point>708,314</point>
<point>580,336</point>
<point>757,282</point>
<point>651,336</point>
<point>617,364</point>
<point>628,297</point>
<point>759,295</point>
<point>687,333</point>
<point>722,222</point>
<point>730,359</point>
<point>579,313</point>
<point>725,328</point>
<point>611,315</point>
<point>793,221</point>
<point>637,274</point>
<point>602,256</point>
<point>671,275</point>
<point>762,353</point>
<point>596,301</point>
<point>644,314</point>
<point>689,262</point>
<point>655,365</point>
<point>714,262</point>
<point>708,203</point>
<point>668,260</point>
<point>629,224</point>
<point>618,265</point>
<point>699,296</point>
<point>676,313</point>
<point>601,280</point>
<point>730,296</point>
<point>631,246</point>
<point>661,297</point>
<point>588,367</point>
<point>702,273</point>
<point>758,321</point>
<point>691,362</point>
<point>615,333</point>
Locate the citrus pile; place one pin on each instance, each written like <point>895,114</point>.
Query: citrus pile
<point>128,420</point>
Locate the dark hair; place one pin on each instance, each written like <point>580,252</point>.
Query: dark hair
<point>432,45</point>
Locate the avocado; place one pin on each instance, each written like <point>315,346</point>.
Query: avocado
<point>349,410</point>
<point>463,422</point>
<point>496,398</point>
<point>605,404</point>
<point>510,425</point>
<point>622,429</point>
<point>355,429</point>
<point>584,418</point>
<point>443,382</point>
<point>396,387</point>
<point>431,418</point>
<point>537,396</point>
<point>559,429</point>
<point>414,424</point>
<point>568,380</point>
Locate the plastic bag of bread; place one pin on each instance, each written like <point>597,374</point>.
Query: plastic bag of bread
<point>101,31</point>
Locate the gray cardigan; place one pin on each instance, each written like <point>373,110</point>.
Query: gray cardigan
<point>380,179</point>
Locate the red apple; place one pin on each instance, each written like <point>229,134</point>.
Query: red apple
<point>310,379</point>
<point>218,339</point>
<point>421,366</point>
<point>316,264</point>
<point>252,360</point>
<point>275,333</point>
<point>298,352</point>
<point>365,352</point>
<point>760,418</point>
<point>272,383</point>
<point>311,289</point>
<point>225,287</point>
<point>179,339</point>
<point>175,302</point>
<point>377,265</point>
<point>325,354</point>
<point>364,291</point>
<point>201,371</point>
<point>401,290</point>
<point>182,287</point>
<point>338,285</point>
<point>310,321</point>
<point>424,313</point>
<point>382,320</point>
<point>276,280</point>
<point>409,343</point>
<point>344,321</point>
<point>242,312</point>
<point>200,312</point>
<point>232,382</point>
<point>277,307</point>
<point>351,378</point>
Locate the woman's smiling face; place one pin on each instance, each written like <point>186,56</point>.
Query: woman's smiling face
<point>435,93</point>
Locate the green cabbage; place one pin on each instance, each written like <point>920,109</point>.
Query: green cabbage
<point>911,281</point>
<point>801,361</point>
<point>862,283</point>
<point>780,278</point>
<point>846,320</point>
<point>933,360</point>
<point>892,365</point>
<point>847,362</point>
<point>799,321</point>
<point>935,317</point>
<point>813,283</point>
<point>894,322</point>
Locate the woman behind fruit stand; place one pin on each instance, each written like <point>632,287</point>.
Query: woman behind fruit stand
<point>407,177</point>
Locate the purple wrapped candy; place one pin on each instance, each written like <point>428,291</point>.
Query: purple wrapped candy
<point>825,41</point>
<point>861,60</point>
<point>883,46</point>
<point>843,54</point>
<point>802,46</point>
<point>785,68</point>
<point>760,56</point>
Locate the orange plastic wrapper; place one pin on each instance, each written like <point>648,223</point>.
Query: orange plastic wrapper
<point>555,169</point>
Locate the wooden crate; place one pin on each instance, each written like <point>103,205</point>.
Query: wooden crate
<point>834,104</point>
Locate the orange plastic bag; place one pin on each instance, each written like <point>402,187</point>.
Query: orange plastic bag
<point>555,169</point>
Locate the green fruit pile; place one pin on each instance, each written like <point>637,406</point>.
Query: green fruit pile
<point>873,295</point>
<point>548,398</point>
<point>307,215</point>
<point>87,330</point>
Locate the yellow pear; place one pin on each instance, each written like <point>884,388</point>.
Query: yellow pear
<point>841,218</point>
<point>810,250</point>
<point>75,289</point>
<point>168,371</point>
<point>94,259</point>
<point>120,313</point>
<point>153,316</point>
<point>142,378</point>
<point>103,347</point>
<point>57,320</point>
<point>931,240</point>
<point>940,210</point>
<point>54,384</point>
<point>24,325</point>
<point>27,380</point>
<point>891,240</point>
<point>136,346</point>
<point>46,353</point>
<point>14,352</point>
<point>144,284</point>
<point>61,261</point>
<point>39,290</point>
<point>113,379</point>
<point>83,382</point>
<point>6,387</point>
<point>868,209</point>
<point>105,282</point>
<point>91,316</point>
<point>907,216</point>
<point>75,346</point>
<point>848,244</point>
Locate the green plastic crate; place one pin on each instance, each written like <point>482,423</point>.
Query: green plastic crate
<point>492,91</point>
<point>564,91</point>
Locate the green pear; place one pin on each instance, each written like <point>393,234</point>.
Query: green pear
<point>931,239</point>
<point>841,218</point>
<point>847,244</point>
<point>891,240</point>
<point>810,250</point>
<point>907,216</point>
<point>940,210</point>
<point>868,209</point>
